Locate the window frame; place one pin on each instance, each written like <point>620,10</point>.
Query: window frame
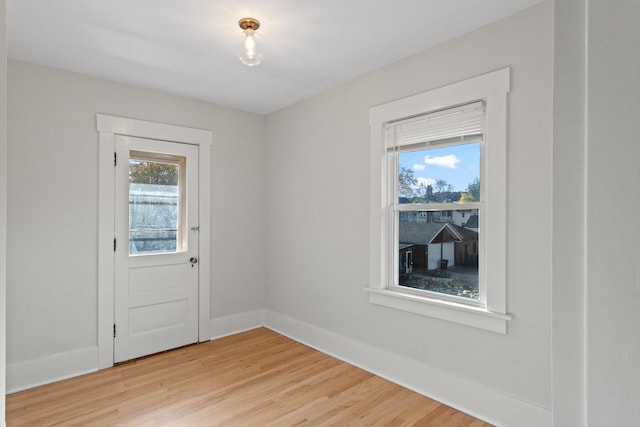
<point>491,312</point>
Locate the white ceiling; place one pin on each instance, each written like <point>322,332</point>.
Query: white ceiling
<point>188,47</point>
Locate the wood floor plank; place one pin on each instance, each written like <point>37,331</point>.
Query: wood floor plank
<point>255,378</point>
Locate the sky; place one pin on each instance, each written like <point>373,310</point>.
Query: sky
<point>458,165</point>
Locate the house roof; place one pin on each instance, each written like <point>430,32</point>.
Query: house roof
<point>464,234</point>
<point>424,233</point>
<point>472,222</point>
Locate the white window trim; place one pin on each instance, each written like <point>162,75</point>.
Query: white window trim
<point>108,127</point>
<point>492,314</point>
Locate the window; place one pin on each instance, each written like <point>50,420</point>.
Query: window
<point>156,203</point>
<point>433,163</point>
<point>438,192</point>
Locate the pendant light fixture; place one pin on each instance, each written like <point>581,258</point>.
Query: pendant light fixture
<point>252,48</point>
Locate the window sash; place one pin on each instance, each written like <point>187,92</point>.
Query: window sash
<point>448,127</point>
<point>394,208</point>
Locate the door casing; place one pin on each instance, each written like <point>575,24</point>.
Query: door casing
<point>108,127</point>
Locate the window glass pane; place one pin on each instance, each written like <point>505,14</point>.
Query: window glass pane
<point>154,213</point>
<point>440,175</point>
<point>438,251</point>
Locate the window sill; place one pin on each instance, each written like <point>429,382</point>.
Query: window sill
<point>476,317</point>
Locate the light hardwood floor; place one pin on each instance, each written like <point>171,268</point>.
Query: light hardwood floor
<point>255,378</point>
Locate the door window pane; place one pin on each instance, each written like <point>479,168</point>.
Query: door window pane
<point>155,204</point>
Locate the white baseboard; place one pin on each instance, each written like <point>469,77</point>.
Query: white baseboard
<point>56,367</point>
<point>472,398</point>
<point>229,325</point>
<point>45,370</point>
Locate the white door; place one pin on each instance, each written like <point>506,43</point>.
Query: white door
<point>156,246</point>
<point>408,262</point>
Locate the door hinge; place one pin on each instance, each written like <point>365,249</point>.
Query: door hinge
<point>114,330</point>
<point>114,244</point>
<point>115,159</point>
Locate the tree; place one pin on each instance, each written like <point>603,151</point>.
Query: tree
<point>474,189</point>
<point>466,197</point>
<point>407,182</point>
<point>153,173</point>
<point>443,187</point>
<point>429,192</point>
<point>473,192</point>
<point>424,192</point>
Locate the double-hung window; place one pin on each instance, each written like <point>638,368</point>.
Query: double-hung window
<point>438,202</point>
<point>433,176</point>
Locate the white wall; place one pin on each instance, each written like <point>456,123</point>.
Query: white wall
<point>318,206</point>
<point>569,150</point>
<point>613,182</point>
<point>52,207</point>
<point>3,201</point>
<point>596,289</point>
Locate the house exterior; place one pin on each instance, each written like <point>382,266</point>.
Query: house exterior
<point>472,222</point>
<point>432,243</point>
<point>412,256</point>
<point>462,217</point>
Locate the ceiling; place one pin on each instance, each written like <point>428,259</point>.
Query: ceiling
<point>188,47</point>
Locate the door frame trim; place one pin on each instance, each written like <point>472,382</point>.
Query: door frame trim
<point>108,127</point>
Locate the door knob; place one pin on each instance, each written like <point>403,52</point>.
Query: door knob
<point>193,260</point>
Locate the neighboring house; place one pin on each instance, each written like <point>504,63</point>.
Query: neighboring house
<point>466,245</point>
<point>472,223</point>
<point>412,256</point>
<point>424,245</point>
<point>465,217</point>
<point>460,218</point>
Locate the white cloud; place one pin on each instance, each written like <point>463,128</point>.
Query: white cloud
<point>418,167</point>
<point>426,181</point>
<point>450,161</point>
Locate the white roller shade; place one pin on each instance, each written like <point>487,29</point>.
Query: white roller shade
<point>461,123</point>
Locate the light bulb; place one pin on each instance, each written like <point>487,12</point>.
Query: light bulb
<point>252,48</point>
<point>250,44</point>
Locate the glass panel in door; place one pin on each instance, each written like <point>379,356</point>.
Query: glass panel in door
<point>156,205</point>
